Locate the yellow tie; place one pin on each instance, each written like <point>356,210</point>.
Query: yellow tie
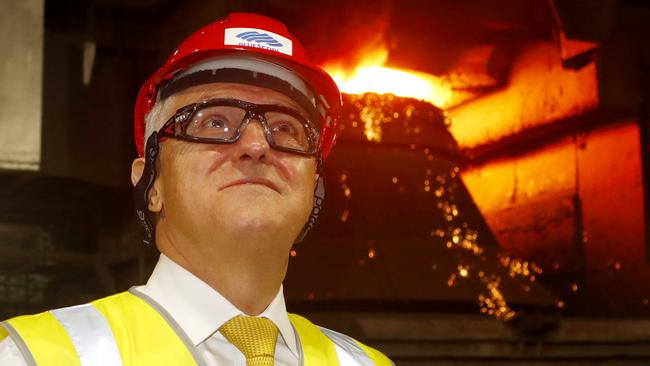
<point>254,337</point>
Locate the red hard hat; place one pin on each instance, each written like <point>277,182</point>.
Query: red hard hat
<point>253,33</point>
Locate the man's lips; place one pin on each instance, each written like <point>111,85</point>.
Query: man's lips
<point>260,181</point>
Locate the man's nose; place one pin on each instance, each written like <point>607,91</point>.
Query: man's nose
<point>252,143</point>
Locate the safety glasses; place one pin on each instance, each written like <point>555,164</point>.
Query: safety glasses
<point>222,121</point>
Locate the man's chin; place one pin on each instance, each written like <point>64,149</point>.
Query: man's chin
<point>254,220</point>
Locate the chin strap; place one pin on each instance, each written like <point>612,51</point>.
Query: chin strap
<point>319,197</point>
<point>141,189</point>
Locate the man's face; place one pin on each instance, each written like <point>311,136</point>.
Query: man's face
<point>227,190</point>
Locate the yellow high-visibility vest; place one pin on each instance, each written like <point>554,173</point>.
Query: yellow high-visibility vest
<point>131,329</point>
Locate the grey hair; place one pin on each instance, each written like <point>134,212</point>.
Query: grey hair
<point>154,119</point>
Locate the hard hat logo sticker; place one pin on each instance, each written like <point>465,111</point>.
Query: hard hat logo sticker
<point>253,37</point>
<point>259,38</point>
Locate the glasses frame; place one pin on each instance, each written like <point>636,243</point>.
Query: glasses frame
<point>176,126</point>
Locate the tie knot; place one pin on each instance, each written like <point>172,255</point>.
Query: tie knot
<point>254,337</point>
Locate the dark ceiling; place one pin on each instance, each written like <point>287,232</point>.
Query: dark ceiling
<point>425,35</point>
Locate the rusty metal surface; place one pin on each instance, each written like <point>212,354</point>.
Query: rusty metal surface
<point>539,91</point>
<point>576,208</point>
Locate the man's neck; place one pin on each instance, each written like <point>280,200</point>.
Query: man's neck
<point>248,279</point>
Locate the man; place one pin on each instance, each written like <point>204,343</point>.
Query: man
<point>236,124</point>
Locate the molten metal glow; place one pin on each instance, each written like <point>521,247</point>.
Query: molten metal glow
<point>371,76</point>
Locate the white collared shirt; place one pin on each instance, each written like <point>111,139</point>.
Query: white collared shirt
<point>199,310</point>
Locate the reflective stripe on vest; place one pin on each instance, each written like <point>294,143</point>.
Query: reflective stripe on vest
<point>347,349</point>
<point>134,329</point>
<point>352,352</point>
<point>90,334</point>
<point>42,340</point>
<point>144,335</point>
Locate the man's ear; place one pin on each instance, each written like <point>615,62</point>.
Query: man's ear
<point>155,200</point>
<point>137,167</point>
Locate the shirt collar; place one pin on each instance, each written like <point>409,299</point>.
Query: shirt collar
<point>199,309</point>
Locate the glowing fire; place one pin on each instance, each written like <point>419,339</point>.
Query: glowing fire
<point>370,75</point>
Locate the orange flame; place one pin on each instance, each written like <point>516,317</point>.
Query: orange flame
<point>371,76</point>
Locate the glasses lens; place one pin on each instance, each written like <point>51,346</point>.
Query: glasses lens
<point>220,122</point>
<point>289,131</point>
<point>217,122</point>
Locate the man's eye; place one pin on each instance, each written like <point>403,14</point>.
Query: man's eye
<point>214,123</point>
<point>284,128</point>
